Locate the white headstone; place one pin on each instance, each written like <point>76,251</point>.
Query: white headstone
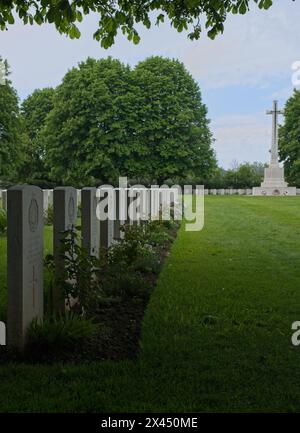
<point>50,198</point>
<point>46,199</point>
<point>107,225</point>
<point>65,216</point>
<point>90,225</point>
<point>25,239</point>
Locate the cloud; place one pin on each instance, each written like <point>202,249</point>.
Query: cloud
<point>283,93</point>
<point>242,138</point>
<point>254,49</point>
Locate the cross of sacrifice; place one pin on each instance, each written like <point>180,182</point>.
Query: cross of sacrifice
<point>274,148</point>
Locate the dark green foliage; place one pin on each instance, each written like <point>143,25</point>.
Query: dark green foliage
<point>78,280</point>
<point>172,136</point>
<point>12,136</point>
<point>244,175</point>
<point>149,122</point>
<point>57,337</point>
<point>90,122</point>
<point>35,109</point>
<point>123,16</point>
<point>127,268</point>
<point>289,139</point>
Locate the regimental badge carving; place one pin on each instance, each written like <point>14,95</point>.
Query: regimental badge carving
<point>33,215</point>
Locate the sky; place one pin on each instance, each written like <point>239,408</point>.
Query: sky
<point>240,73</point>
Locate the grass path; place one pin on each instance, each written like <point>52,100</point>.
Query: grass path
<point>217,331</point>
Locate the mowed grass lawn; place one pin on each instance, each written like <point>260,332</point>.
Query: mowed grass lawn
<point>217,332</point>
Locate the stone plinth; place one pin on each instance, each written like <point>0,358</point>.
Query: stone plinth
<point>274,177</point>
<point>274,183</point>
<point>274,191</point>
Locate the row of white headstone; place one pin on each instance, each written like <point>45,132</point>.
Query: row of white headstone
<point>228,191</point>
<point>25,248</point>
<point>232,191</point>
<point>47,198</point>
<point>48,195</point>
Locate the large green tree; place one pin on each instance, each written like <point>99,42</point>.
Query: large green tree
<point>289,139</point>
<point>108,120</point>
<point>11,128</point>
<point>87,131</point>
<point>172,137</point>
<point>123,15</point>
<point>35,109</point>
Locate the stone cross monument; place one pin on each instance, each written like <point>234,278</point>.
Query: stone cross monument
<point>274,148</point>
<point>274,183</point>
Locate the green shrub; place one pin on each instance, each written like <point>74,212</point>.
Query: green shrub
<point>133,284</point>
<point>147,263</point>
<point>3,221</point>
<point>79,278</point>
<point>121,281</point>
<point>57,337</point>
<point>159,238</point>
<point>127,268</point>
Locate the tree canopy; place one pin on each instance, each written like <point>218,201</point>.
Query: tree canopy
<point>108,121</point>
<point>87,131</point>
<point>11,129</point>
<point>289,139</point>
<point>124,15</point>
<point>35,109</point>
<point>172,138</point>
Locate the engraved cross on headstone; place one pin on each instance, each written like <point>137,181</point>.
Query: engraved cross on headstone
<point>274,148</point>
